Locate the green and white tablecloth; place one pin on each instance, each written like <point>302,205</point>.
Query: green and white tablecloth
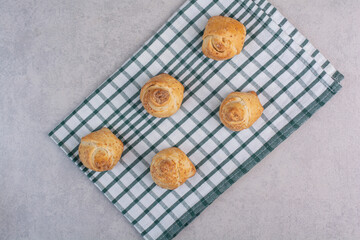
<point>291,77</point>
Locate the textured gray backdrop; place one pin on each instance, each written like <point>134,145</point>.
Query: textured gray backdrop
<point>53,53</point>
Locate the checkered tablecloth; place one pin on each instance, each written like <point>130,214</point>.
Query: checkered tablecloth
<point>291,77</point>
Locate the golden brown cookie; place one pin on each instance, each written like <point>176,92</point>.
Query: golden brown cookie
<point>162,95</point>
<point>100,150</point>
<point>223,38</point>
<point>170,168</point>
<point>240,110</point>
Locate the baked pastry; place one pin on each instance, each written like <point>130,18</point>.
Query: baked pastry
<point>162,95</point>
<point>101,150</point>
<point>240,110</point>
<point>170,168</point>
<point>223,38</point>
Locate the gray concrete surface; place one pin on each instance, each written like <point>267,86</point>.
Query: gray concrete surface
<point>53,53</point>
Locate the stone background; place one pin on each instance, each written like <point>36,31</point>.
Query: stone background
<point>54,53</point>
